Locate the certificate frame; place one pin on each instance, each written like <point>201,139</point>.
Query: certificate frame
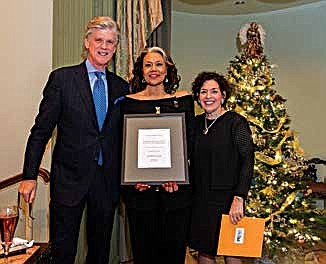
<point>178,172</point>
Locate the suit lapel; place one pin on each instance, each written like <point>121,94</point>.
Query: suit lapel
<point>82,80</point>
<point>110,83</point>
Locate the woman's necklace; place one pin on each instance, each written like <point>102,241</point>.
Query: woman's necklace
<point>205,131</point>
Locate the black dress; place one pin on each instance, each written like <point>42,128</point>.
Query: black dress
<point>158,220</point>
<point>222,167</point>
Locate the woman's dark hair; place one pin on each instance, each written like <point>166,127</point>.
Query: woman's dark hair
<point>206,76</point>
<point>173,79</point>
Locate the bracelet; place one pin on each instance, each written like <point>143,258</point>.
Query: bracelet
<point>239,198</point>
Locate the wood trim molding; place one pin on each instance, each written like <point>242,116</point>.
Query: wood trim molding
<point>43,173</point>
<point>318,188</point>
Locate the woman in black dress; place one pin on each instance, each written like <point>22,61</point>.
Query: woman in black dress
<point>221,165</point>
<point>158,217</point>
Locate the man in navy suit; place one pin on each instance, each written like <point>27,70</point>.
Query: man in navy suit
<point>85,167</point>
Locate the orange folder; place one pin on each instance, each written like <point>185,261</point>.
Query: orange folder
<point>243,239</point>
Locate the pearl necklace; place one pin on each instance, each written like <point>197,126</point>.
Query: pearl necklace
<point>205,131</point>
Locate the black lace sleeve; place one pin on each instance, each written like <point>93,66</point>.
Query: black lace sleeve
<point>244,144</point>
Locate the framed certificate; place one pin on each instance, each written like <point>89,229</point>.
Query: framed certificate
<point>154,149</point>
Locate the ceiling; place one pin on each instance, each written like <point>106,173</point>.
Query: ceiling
<point>234,7</point>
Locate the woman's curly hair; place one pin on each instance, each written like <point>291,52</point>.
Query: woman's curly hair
<point>206,76</point>
<point>173,79</point>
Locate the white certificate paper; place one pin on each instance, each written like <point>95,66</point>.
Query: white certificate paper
<point>154,148</point>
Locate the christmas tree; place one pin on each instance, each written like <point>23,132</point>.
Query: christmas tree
<point>279,191</point>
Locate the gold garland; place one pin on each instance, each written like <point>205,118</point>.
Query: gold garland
<point>258,123</point>
<point>278,152</point>
<point>277,159</point>
<point>296,144</point>
<point>268,160</point>
<point>289,200</point>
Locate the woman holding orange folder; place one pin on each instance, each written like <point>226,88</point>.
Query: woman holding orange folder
<point>221,165</point>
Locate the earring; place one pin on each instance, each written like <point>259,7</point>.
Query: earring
<point>143,81</point>
<point>222,101</point>
<point>166,80</point>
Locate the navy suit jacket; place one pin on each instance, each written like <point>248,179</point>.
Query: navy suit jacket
<point>68,105</point>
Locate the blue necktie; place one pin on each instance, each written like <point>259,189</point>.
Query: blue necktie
<point>100,104</point>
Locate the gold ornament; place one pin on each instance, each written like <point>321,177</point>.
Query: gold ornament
<point>268,191</point>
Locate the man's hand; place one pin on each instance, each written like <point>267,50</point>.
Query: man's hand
<point>27,188</point>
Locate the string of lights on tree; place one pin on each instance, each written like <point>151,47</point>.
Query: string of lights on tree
<point>279,191</point>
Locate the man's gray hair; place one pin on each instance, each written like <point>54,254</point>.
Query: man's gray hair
<point>100,22</point>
